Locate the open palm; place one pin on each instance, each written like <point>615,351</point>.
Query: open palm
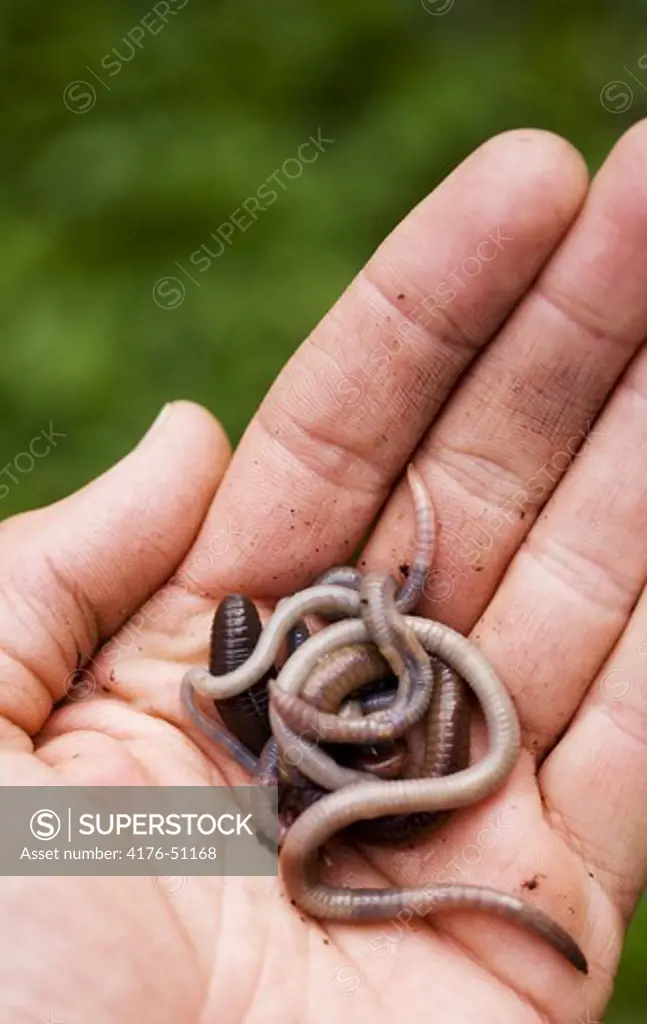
<point>533,456</point>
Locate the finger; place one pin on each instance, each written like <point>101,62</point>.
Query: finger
<point>568,592</point>
<point>508,434</point>
<point>595,781</point>
<point>72,573</point>
<point>343,417</point>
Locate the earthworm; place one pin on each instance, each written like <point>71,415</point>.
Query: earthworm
<point>297,636</point>
<point>218,735</point>
<point>348,670</point>
<point>342,808</point>
<point>445,749</point>
<point>411,590</point>
<point>234,634</point>
<point>378,726</point>
<point>311,760</point>
<point>385,761</point>
<point>235,631</point>
<point>449,646</point>
<point>399,646</point>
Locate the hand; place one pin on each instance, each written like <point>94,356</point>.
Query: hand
<point>542,555</point>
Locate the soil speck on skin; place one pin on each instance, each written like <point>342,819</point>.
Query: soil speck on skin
<point>74,757</point>
<point>532,883</point>
<point>591,875</point>
<point>401,295</point>
<point>326,942</point>
<point>479,568</point>
<point>522,514</point>
<point>405,569</point>
<point>293,903</point>
<point>302,919</point>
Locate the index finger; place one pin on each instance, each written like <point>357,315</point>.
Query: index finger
<point>336,428</point>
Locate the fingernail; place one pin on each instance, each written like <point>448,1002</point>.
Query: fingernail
<point>161,418</point>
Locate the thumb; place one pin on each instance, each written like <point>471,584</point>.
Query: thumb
<point>72,573</point>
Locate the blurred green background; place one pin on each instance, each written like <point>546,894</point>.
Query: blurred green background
<point>105,192</point>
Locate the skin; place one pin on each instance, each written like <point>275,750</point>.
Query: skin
<point>125,576</point>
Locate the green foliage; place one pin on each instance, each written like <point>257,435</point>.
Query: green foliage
<point>96,207</point>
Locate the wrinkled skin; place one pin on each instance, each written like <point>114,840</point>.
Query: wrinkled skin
<point>542,555</point>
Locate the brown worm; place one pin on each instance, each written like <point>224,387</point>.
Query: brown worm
<point>234,634</point>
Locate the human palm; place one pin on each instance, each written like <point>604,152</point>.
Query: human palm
<point>541,555</point>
